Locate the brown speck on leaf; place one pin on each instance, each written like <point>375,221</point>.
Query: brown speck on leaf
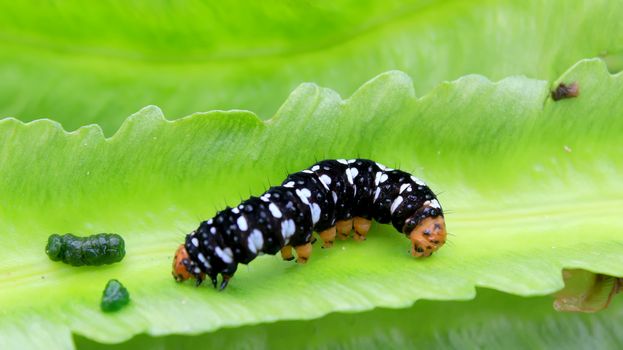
<point>566,91</point>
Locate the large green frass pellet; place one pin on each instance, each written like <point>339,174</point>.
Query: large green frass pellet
<point>99,249</point>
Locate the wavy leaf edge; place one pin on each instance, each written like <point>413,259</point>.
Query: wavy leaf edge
<point>154,114</point>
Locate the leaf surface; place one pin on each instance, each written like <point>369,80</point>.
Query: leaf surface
<point>78,66</point>
<point>531,186</point>
<point>492,320</point>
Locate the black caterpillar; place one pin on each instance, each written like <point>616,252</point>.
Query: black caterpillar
<point>331,197</point>
<point>99,249</point>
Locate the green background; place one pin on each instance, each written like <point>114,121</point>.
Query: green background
<point>530,186</point>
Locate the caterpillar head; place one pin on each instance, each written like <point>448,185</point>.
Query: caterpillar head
<point>426,229</point>
<point>428,236</point>
<point>181,262</point>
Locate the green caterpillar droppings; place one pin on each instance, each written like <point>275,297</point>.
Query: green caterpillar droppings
<point>99,249</point>
<point>115,296</point>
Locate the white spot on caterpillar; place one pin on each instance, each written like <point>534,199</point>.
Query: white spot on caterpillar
<point>225,254</point>
<point>274,210</point>
<point>383,178</point>
<point>289,184</point>
<point>265,197</point>
<point>334,196</point>
<point>418,181</point>
<point>203,260</point>
<point>315,210</point>
<point>235,211</point>
<point>213,230</point>
<point>343,161</point>
<point>287,229</point>
<point>349,176</point>
<point>302,195</point>
<point>350,161</point>
<point>242,223</point>
<point>308,171</point>
<point>255,241</point>
<point>354,172</point>
<point>210,222</point>
<point>195,241</point>
<point>435,204</point>
<point>376,194</point>
<point>324,185</point>
<point>197,270</point>
<point>381,166</point>
<point>326,180</point>
<point>377,178</point>
<point>403,187</point>
<point>395,204</point>
<point>315,168</point>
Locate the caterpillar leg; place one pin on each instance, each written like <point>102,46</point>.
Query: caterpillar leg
<point>362,226</point>
<point>286,253</point>
<point>225,281</point>
<point>328,237</point>
<point>303,252</point>
<point>343,228</point>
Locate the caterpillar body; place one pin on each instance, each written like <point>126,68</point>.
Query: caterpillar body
<point>331,197</point>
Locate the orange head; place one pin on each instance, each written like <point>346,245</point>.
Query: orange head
<point>428,236</point>
<point>180,262</point>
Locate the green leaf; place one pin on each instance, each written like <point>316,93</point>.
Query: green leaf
<point>531,186</point>
<point>585,291</point>
<point>492,321</point>
<point>98,65</point>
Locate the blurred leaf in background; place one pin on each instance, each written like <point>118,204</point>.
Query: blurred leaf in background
<point>99,62</point>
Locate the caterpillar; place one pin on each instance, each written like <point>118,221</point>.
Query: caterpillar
<point>331,197</point>
<point>99,249</point>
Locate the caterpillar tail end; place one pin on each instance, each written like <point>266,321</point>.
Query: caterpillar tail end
<point>180,273</point>
<point>428,236</point>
